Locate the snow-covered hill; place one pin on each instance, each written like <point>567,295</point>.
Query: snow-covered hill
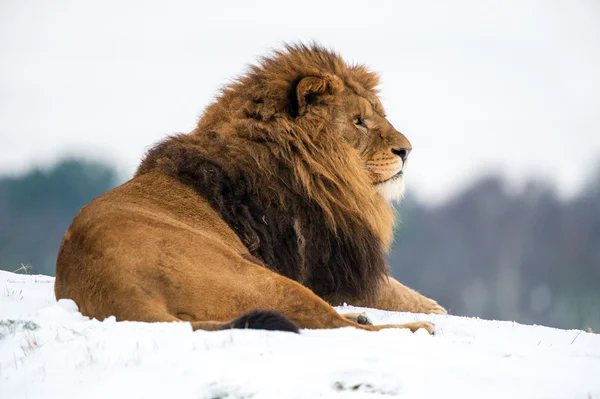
<point>49,350</point>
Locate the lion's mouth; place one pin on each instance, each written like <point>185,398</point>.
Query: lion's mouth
<point>393,178</point>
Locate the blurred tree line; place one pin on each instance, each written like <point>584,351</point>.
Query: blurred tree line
<point>525,256</point>
<point>37,208</point>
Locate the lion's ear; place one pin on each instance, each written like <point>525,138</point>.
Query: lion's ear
<point>310,88</point>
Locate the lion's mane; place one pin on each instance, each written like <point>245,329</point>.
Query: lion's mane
<point>295,193</point>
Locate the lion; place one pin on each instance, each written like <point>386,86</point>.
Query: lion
<point>275,208</point>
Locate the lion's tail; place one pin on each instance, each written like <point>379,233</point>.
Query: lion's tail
<point>255,320</point>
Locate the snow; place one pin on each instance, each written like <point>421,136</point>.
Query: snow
<point>49,350</point>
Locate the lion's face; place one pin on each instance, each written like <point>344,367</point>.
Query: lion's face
<point>359,118</point>
<point>383,149</point>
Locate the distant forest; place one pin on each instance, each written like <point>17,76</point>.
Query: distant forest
<point>487,252</point>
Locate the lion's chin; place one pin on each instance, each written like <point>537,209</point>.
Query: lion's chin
<point>392,189</point>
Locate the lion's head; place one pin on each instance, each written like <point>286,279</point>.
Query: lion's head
<point>361,121</point>
<point>314,90</point>
<point>299,158</point>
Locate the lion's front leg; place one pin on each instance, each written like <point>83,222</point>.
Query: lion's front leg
<point>395,296</point>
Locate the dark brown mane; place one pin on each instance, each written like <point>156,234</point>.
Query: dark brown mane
<point>291,190</point>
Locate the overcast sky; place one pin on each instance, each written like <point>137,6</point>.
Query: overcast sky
<point>477,86</point>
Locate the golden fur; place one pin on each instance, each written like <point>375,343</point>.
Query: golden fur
<point>278,201</point>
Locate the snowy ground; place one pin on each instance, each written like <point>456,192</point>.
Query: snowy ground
<point>49,350</point>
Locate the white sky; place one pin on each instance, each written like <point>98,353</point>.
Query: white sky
<point>477,86</point>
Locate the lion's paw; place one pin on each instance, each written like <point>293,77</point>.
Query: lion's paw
<point>426,325</point>
<point>431,307</point>
<point>437,309</point>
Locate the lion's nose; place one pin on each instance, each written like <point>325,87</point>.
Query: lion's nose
<point>401,152</point>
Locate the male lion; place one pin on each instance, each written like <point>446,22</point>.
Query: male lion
<point>272,209</point>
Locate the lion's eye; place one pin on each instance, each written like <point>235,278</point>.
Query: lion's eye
<point>359,121</point>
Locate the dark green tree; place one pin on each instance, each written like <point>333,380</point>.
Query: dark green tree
<point>37,208</point>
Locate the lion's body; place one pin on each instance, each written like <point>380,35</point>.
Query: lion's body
<point>271,203</point>
<point>159,258</point>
